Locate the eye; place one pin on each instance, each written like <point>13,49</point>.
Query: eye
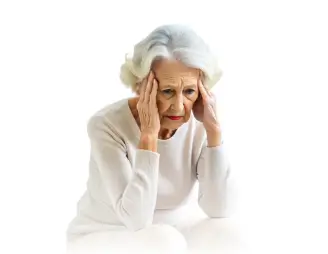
<point>167,91</point>
<point>190,91</point>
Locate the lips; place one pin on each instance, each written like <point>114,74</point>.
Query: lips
<point>175,117</point>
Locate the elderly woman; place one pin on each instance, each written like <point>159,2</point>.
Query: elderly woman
<point>148,152</point>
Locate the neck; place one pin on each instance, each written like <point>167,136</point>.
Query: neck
<point>165,133</point>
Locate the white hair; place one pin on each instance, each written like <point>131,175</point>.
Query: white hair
<point>178,42</point>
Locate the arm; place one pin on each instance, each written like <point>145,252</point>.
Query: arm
<point>132,191</point>
<point>215,184</point>
<point>216,191</point>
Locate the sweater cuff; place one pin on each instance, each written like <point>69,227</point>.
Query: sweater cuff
<point>216,161</point>
<point>216,149</point>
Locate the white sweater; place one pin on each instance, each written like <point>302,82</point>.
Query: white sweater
<point>127,185</point>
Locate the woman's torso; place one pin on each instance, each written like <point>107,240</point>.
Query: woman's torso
<point>177,168</point>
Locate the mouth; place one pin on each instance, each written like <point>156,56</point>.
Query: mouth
<point>175,118</point>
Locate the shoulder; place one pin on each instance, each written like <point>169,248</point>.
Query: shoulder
<point>110,110</point>
<point>108,119</point>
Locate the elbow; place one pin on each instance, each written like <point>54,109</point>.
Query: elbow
<point>136,224</point>
<point>216,214</point>
<point>135,221</point>
<point>213,212</point>
<point>214,208</point>
<point>222,203</point>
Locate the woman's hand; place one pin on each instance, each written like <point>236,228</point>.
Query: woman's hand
<point>147,108</point>
<point>205,111</point>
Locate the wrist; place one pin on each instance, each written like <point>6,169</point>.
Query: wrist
<point>148,142</point>
<point>214,139</point>
<point>148,136</point>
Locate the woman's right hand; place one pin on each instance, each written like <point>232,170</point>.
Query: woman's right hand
<point>147,107</point>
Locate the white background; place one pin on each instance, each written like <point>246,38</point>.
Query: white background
<point>59,62</point>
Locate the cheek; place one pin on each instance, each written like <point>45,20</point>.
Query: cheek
<point>195,97</point>
<point>163,106</point>
<point>188,106</point>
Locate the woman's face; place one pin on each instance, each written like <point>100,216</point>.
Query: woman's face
<point>177,92</point>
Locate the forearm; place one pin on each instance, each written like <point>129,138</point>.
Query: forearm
<point>137,204</point>
<point>213,139</point>
<point>214,182</point>
<point>131,186</point>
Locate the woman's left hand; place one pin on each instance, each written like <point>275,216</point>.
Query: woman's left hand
<point>205,111</point>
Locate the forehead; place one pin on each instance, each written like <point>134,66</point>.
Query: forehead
<point>172,70</point>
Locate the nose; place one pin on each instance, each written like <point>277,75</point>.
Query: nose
<point>177,104</point>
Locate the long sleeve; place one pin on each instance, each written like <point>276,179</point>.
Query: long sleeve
<point>215,187</point>
<point>132,190</point>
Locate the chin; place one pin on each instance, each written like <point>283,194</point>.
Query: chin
<point>172,124</point>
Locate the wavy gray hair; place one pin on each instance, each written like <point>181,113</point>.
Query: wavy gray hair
<point>177,42</point>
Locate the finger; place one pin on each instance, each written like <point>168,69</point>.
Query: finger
<point>207,89</point>
<point>142,90</point>
<point>205,85</point>
<point>202,78</point>
<point>202,90</point>
<point>149,87</point>
<point>154,93</point>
